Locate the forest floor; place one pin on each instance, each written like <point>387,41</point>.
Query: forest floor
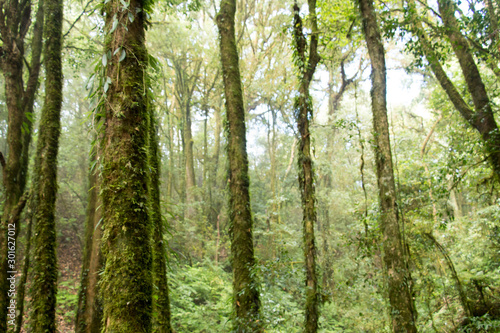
<point>70,262</point>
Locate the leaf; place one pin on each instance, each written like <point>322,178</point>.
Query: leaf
<point>116,51</point>
<point>122,56</point>
<point>115,24</point>
<point>104,60</point>
<point>106,84</point>
<point>131,17</point>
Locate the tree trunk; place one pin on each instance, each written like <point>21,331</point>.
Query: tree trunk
<point>21,289</point>
<point>44,289</point>
<point>245,290</point>
<point>161,303</point>
<point>89,310</point>
<point>126,283</point>
<point>304,113</point>
<point>398,278</point>
<point>19,104</point>
<point>189,160</point>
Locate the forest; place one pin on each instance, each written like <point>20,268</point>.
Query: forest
<point>249,166</point>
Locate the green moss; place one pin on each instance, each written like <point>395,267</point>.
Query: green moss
<point>126,283</point>
<point>45,271</point>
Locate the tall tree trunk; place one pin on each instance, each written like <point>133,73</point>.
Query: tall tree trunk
<point>19,107</point>
<point>161,303</point>
<point>126,284</point>
<point>44,289</point>
<point>304,113</point>
<point>245,289</point>
<point>398,278</point>
<point>89,309</point>
<point>189,163</point>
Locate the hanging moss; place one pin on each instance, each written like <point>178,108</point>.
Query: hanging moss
<point>44,289</point>
<point>126,283</point>
<point>245,290</point>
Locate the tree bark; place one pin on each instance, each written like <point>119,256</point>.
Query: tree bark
<point>44,290</point>
<point>126,283</point>
<point>161,303</point>
<point>304,114</point>
<point>19,102</point>
<point>245,289</point>
<point>89,308</point>
<point>398,278</point>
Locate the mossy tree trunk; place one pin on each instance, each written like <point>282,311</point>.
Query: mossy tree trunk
<point>398,278</point>
<point>306,61</point>
<point>161,303</point>
<point>126,284</point>
<point>44,289</point>
<point>245,290</point>
<point>14,24</point>
<point>89,308</point>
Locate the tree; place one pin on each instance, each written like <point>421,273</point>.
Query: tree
<point>14,25</point>
<point>398,278</point>
<point>306,63</point>
<point>246,294</point>
<point>126,283</point>
<point>161,303</point>
<point>44,289</point>
<point>89,310</point>
<point>481,116</point>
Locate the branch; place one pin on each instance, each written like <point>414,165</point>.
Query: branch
<point>16,213</point>
<point>78,18</point>
<point>428,137</point>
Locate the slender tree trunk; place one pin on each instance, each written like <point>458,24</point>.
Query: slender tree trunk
<point>245,289</point>
<point>304,113</point>
<point>189,160</point>
<point>44,290</point>
<point>21,289</point>
<point>89,310</point>
<point>126,284</point>
<point>398,278</point>
<point>161,303</point>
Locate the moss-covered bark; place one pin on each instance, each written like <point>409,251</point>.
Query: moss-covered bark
<point>303,114</point>
<point>398,278</point>
<point>126,283</point>
<point>161,303</point>
<point>19,102</point>
<point>245,291</point>
<point>44,289</point>
<point>89,308</point>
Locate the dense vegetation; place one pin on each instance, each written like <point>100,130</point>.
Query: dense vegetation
<point>250,166</point>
